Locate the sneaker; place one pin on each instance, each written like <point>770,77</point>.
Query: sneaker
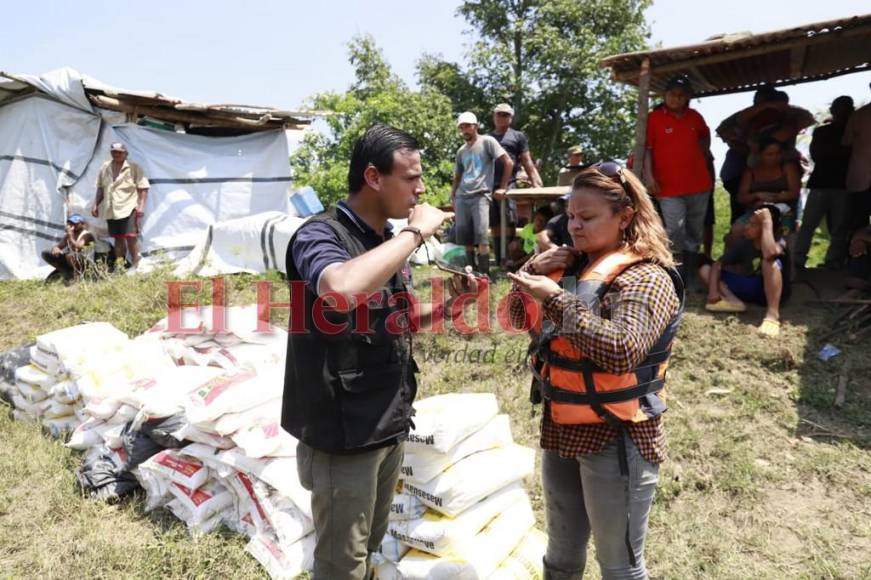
<point>723,305</point>
<point>769,327</point>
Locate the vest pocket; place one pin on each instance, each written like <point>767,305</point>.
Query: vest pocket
<point>373,406</point>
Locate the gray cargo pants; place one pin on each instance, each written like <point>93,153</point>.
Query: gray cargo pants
<point>351,498</point>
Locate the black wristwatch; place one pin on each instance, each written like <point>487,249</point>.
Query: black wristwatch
<point>415,231</point>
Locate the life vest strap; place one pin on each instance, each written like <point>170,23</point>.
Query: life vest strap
<point>552,393</point>
<point>651,360</point>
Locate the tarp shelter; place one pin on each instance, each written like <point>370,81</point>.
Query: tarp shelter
<point>733,63</point>
<point>206,163</point>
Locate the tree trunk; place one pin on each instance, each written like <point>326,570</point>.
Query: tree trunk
<point>518,74</point>
<point>555,127</point>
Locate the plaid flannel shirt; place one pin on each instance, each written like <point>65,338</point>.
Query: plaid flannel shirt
<point>633,314</point>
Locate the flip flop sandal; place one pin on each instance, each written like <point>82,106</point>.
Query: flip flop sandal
<point>769,327</point>
<point>723,305</point>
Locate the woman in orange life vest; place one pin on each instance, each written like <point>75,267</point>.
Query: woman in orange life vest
<point>600,348</point>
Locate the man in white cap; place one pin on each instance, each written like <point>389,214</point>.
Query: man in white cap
<point>121,192</point>
<point>473,187</point>
<point>516,145</point>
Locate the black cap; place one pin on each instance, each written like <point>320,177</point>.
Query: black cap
<point>679,82</point>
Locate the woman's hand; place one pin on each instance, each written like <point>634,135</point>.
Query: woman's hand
<point>539,287</point>
<point>557,258</point>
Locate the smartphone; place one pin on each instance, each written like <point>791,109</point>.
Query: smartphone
<point>446,267</point>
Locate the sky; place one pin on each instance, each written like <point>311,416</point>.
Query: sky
<point>279,53</point>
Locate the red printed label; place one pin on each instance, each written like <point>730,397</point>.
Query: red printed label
<point>250,489</point>
<point>197,497</point>
<point>186,468</point>
<point>213,389</point>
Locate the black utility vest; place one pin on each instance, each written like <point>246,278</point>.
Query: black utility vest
<point>349,391</point>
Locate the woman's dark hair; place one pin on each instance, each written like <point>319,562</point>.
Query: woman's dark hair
<point>376,148</point>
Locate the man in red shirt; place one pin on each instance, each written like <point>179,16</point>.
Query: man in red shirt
<point>676,172</point>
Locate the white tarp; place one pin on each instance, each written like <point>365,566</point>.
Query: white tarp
<point>63,84</point>
<point>197,181</point>
<point>53,143</point>
<point>250,244</point>
<point>44,146</point>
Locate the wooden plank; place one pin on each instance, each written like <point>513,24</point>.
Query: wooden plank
<point>641,120</point>
<point>538,193</point>
<point>841,391</point>
<point>796,61</point>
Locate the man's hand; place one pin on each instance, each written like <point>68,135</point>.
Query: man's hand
<point>556,258</point>
<point>652,186</point>
<point>428,219</point>
<point>458,285</point>
<point>499,194</point>
<point>539,287</point>
<point>763,216</point>
<point>94,211</point>
<point>55,251</point>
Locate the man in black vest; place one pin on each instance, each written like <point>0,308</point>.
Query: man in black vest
<point>349,382</point>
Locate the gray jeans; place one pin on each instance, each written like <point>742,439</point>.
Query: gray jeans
<point>472,219</point>
<point>587,495</point>
<point>836,203</point>
<point>684,220</point>
<point>351,498</point>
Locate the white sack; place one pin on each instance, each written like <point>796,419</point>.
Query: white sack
<point>442,535</point>
<point>282,562</point>
<point>525,562</point>
<point>444,420</point>
<point>421,465</point>
<point>473,478</point>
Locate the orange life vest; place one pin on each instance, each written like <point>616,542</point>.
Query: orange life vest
<point>578,390</point>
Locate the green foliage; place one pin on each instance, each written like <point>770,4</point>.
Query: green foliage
<point>377,96</point>
<point>543,57</point>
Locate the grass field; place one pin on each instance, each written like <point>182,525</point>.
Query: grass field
<point>765,478</point>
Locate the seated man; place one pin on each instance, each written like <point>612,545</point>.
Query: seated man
<point>70,254</point>
<point>859,264</point>
<point>735,278</point>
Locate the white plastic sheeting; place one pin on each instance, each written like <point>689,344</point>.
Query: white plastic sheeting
<point>53,142</point>
<point>45,146</point>
<point>251,244</point>
<point>197,181</point>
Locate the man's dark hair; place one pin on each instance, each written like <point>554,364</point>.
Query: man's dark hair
<point>376,148</point>
<point>764,94</point>
<point>768,141</point>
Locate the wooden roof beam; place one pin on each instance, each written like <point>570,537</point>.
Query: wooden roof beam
<point>737,54</point>
<point>797,57</point>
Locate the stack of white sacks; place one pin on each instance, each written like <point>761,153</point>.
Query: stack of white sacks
<point>75,366</point>
<point>462,511</point>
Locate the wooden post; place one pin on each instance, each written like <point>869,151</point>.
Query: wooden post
<point>641,121</point>
<point>503,232</point>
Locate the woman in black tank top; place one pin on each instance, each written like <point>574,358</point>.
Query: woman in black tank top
<point>771,181</point>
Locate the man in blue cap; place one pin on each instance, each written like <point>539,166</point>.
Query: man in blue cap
<point>69,255</point>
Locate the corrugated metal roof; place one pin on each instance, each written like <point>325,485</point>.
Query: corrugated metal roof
<point>744,61</point>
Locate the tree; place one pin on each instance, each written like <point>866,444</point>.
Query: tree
<point>543,57</point>
<point>377,95</point>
